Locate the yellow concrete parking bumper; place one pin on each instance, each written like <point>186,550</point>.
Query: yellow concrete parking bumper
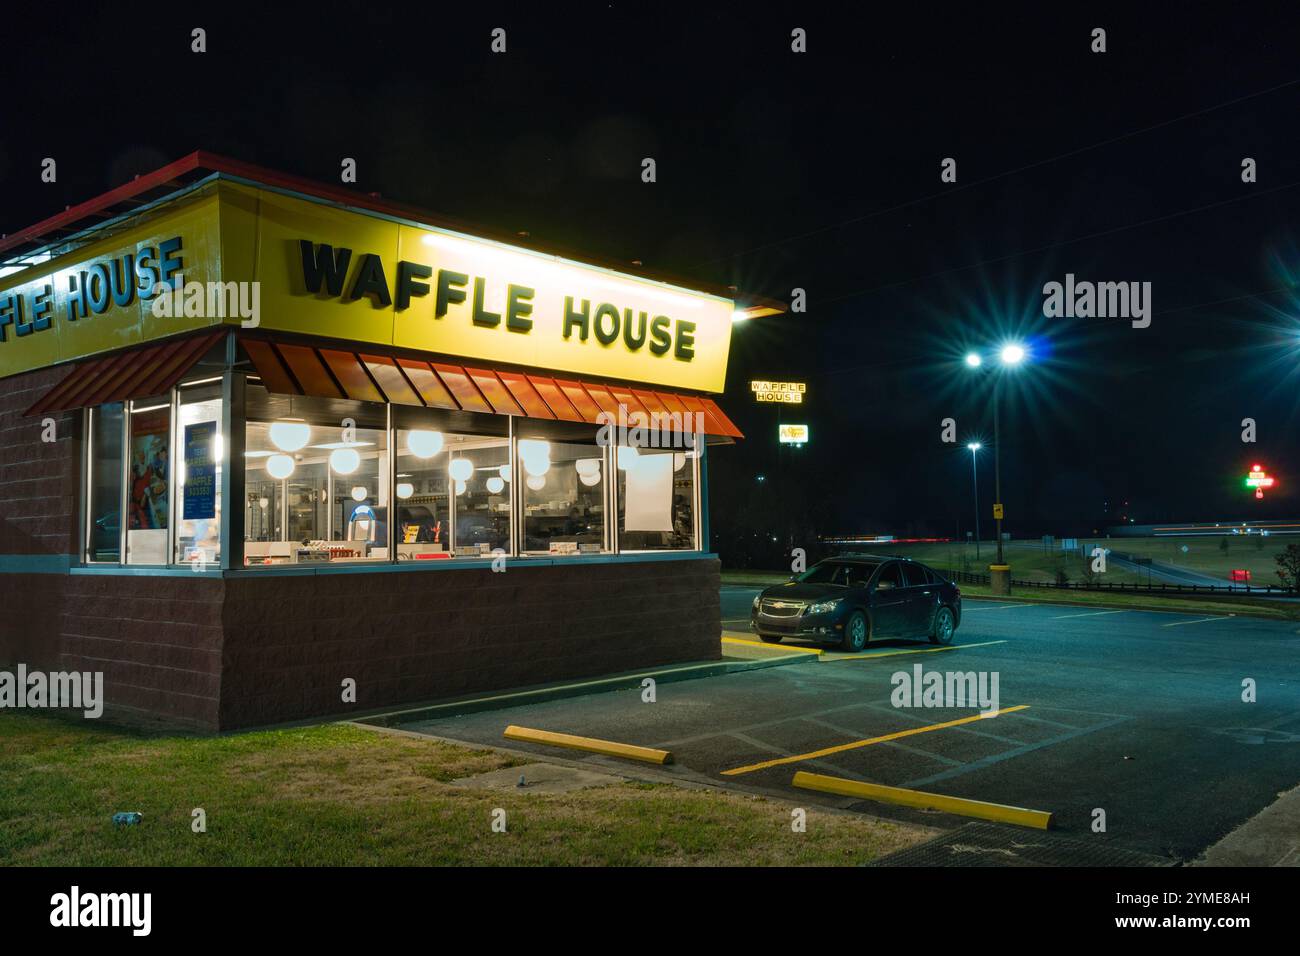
<point>999,813</point>
<point>780,648</point>
<point>608,747</point>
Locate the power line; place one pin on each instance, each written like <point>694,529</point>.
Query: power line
<point>1064,242</point>
<point>861,368</point>
<point>1235,298</point>
<point>996,176</point>
<point>1182,308</point>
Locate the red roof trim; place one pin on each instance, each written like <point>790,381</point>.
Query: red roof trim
<point>140,372</point>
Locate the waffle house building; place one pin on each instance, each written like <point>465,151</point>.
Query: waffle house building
<point>264,440</point>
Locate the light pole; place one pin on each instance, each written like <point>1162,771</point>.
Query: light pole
<point>1010,355</point>
<point>997,467</point>
<point>975,483</point>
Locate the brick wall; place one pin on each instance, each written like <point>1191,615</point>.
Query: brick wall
<point>412,636</point>
<point>210,654</point>
<point>157,641</point>
<point>30,605</point>
<point>38,480</point>
<point>38,494</point>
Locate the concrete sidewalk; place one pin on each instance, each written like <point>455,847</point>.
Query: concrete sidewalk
<point>1270,838</point>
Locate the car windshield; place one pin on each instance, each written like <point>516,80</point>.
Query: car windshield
<point>843,573</point>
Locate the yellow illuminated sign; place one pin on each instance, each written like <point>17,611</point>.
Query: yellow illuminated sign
<point>331,272</point>
<point>100,297</point>
<point>790,393</point>
<point>327,272</point>
<point>793,434</point>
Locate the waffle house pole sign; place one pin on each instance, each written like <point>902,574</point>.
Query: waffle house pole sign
<point>787,393</point>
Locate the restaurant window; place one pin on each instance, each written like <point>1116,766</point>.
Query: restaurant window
<point>563,492</point>
<point>148,506</point>
<point>104,514</point>
<point>423,495</point>
<point>316,480</point>
<point>200,448</point>
<point>479,472</point>
<point>656,499</point>
<point>321,485</point>
<point>452,485</point>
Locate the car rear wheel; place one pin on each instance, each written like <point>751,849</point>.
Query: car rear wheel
<point>855,632</point>
<point>770,638</point>
<point>945,625</point>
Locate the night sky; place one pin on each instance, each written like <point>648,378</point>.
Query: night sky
<point>821,171</point>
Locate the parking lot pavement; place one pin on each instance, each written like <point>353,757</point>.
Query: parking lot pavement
<point>1135,713</point>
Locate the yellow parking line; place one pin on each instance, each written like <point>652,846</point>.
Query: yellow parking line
<point>999,812</point>
<point>609,747</point>
<point>1062,617</point>
<point>774,647</point>
<point>920,650</point>
<point>869,741</point>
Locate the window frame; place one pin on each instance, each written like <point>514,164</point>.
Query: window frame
<point>883,569</point>
<point>87,517</point>
<point>694,457</point>
<point>234,418</point>
<point>911,568</point>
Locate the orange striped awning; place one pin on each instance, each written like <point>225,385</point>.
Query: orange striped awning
<point>296,369</point>
<point>133,373</point>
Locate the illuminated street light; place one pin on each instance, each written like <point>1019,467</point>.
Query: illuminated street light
<point>1011,354</point>
<point>975,483</point>
<point>973,359</point>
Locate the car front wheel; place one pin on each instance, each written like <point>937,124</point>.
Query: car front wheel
<point>855,632</point>
<point>945,625</point>
<point>770,638</point>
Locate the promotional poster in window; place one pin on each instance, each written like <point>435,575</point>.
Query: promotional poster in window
<point>149,470</point>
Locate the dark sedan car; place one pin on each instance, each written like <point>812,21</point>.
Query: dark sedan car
<point>852,600</point>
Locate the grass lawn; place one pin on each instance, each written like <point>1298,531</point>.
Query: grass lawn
<point>1252,607</point>
<point>337,795</point>
<point>1028,560</point>
<point>1256,554</point>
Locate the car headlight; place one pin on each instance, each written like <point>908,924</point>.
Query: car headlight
<point>824,607</point>
<point>757,599</point>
